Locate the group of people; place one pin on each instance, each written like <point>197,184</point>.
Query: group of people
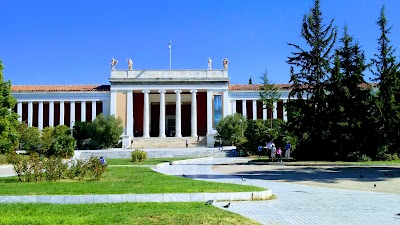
<point>274,151</point>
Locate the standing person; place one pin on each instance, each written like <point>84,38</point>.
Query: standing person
<point>269,148</point>
<point>288,148</point>
<point>279,153</point>
<point>273,151</point>
<point>187,143</point>
<point>220,144</point>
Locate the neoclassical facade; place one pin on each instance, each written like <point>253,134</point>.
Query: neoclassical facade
<point>151,103</point>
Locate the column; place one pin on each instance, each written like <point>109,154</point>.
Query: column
<point>19,111</point>
<point>93,110</point>
<point>284,110</point>
<point>113,105</point>
<point>146,114</point>
<point>234,107</point>
<point>83,111</point>
<point>244,109</point>
<point>30,113</point>
<point>162,113</point>
<point>40,119</point>
<point>106,108</point>
<point>72,113</point>
<point>62,113</point>
<point>274,111</point>
<point>129,113</point>
<point>264,112</point>
<point>254,109</point>
<point>51,114</point>
<point>209,111</point>
<point>178,116</point>
<point>194,113</point>
<point>225,102</point>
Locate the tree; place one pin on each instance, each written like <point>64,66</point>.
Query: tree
<point>232,128</point>
<point>347,90</point>
<point>30,138</point>
<point>8,118</point>
<point>310,69</point>
<point>269,93</point>
<point>106,130</point>
<point>388,97</point>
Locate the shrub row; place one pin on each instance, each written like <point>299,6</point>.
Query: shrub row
<point>32,168</point>
<point>138,155</point>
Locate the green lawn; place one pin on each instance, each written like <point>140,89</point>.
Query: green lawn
<point>120,213</point>
<point>152,161</point>
<point>120,180</point>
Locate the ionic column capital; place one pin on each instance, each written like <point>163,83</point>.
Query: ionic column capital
<point>146,91</point>
<point>162,91</point>
<point>178,91</point>
<point>193,91</point>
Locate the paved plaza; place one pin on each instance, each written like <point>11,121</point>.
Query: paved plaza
<point>298,204</point>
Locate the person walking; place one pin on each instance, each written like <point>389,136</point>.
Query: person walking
<point>273,151</point>
<point>187,143</point>
<point>279,153</point>
<point>220,147</point>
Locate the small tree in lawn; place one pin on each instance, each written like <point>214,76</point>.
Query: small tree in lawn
<point>8,118</point>
<point>268,93</point>
<point>106,130</point>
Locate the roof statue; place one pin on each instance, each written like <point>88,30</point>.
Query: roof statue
<point>130,63</point>
<point>225,63</point>
<point>209,64</point>
<point>114,62</point>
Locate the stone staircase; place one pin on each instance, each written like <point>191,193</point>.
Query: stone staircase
<point>169,142</point>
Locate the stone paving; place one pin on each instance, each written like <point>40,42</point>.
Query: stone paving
<point>299,204</point>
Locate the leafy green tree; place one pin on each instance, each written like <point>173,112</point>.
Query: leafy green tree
<point>232,128</point>
<point>388,96</point>
<point>106,130</point>
<point>30,138</point>
<point>82,132</point>
<point>47,140</point>
<point>269,93</point>
<point>8,118</point>
<point>64,146</point>
<point>310,70</point>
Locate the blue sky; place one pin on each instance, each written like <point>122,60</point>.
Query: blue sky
<point>72,42</point>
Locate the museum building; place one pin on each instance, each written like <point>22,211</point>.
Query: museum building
<point>151,103</point>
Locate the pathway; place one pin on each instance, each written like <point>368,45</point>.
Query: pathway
<point>300,204</point>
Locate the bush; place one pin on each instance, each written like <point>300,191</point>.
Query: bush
<point>82,132</point>
<point>95,169</point>
<point>32,168</point>
<point>139,155</point>
<point>106,130</point>
<point>30,138</point>
<point>64,146</point>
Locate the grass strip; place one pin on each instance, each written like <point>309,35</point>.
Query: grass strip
<point>118,213</point>
<point>121,180</point>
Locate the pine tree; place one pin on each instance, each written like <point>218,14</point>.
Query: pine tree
<point>348,91</point>
<point>269,93</point>
<point>388,96</point>
<point>8,119</point>
<point>307,99</point>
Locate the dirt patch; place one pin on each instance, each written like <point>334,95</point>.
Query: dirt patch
<point>384,179</point>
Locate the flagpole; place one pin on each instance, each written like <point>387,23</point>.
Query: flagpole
<point>170,55</point>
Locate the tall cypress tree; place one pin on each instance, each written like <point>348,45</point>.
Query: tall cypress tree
<point>388,96</point>
<point>310,69</point>
<point>8,118</point>
<point>349,100</point>
<point>269,93</point>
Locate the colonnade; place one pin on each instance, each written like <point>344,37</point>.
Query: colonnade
<point>51,111</point>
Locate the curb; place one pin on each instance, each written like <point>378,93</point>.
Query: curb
<point>119,198</point>
<point>178,162</point>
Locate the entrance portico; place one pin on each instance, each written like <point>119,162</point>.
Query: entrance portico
<point>147,101</point>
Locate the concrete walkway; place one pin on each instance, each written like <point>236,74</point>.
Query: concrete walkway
<point>299,204</point>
